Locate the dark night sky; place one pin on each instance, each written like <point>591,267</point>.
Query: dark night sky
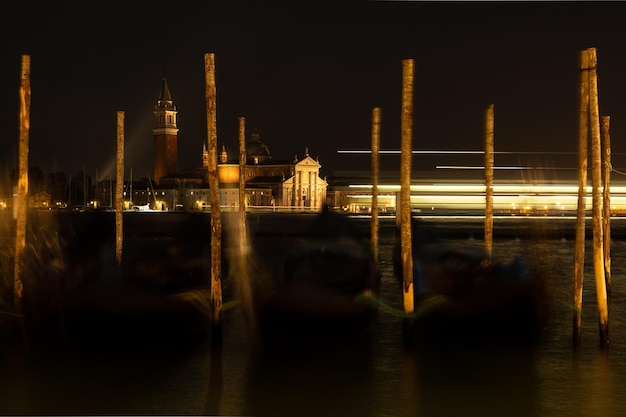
<point>309,75</point>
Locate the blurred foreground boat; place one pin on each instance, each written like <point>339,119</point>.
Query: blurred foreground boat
<point>464,297</point>
<point>314,326</point>
<point>75,293</point>
<point>324,293</point>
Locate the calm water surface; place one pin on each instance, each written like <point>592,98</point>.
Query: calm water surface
<point>373,376</point>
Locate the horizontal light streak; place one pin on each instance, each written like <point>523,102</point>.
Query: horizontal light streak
<point>481,168</point>
<point>505,188</point>
<point>511,168</point>
<point>454,152</point>
<point>385,197</point>
<point>558,202</point>
<point>510,198</point>
<point>421,152</point>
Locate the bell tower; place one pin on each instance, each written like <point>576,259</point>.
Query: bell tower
<point>165,135</point>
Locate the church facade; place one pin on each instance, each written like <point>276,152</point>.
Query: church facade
<point>269,183</point>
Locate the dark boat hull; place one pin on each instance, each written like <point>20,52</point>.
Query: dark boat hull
<point>326,291</point>
<point>464,297</point>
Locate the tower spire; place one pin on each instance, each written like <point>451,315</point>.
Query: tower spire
<point>165,96</point>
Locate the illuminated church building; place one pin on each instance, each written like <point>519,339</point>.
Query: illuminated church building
<point>291,183</point>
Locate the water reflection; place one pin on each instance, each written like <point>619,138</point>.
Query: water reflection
<point>313,353</point>
<point>325,380</point>
<point>601,388</point>
<point>369,375</point>
<point>456,381</point>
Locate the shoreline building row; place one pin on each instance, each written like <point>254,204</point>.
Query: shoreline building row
<point>279,184</point>
<point>295,184</point>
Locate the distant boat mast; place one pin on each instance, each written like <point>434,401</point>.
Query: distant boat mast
<point>69,191</point>
<point>153,193</point>
<point>84,188</point>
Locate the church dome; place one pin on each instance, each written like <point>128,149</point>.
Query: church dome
<point>257,151</point>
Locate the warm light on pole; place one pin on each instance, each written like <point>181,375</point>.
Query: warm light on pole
<point>216,215</point>
<point>375,168</point>
<point>405,188</point>
<point>489,133</point>
<point>596,180</point>
<point>606,198</point>
<point>119,188</point>
<point>22,185</point>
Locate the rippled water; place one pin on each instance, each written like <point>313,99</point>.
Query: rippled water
<point>373,376</point>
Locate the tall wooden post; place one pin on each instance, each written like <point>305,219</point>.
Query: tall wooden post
<point>596,180</point>
<point>119,188</point>
<point>216,214</point>
<point>375,167</point>
<point>244,278</point>
<point>583,135</point>
<point>606,164</point>
<point>242,173</point>
<point>405,191</point>
<point>489,133</point>
<point>22,186</point>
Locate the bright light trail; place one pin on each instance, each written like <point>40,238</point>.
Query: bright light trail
<point>454,152</point>
<point>513,168</point>
<point>507,197</point>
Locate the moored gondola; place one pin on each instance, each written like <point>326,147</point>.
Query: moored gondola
<point>326,289</point>
<point>465,297</point>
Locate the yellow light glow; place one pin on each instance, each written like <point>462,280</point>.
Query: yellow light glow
<point>508,197</point>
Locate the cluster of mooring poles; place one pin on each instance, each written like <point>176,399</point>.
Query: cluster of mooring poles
<point>589,124</point>
<point>404,205</point>
<point>601,209</point>
<point>213,181</point>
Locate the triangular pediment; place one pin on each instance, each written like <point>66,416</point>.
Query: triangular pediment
<point>308,161</point>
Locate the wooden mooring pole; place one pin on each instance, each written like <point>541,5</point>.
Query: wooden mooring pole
<point>606,200</point>
<point>216,215</point>
<point>242,269</point>
<point>489,133</point>
<point>119,188</point>
<point>596,182</point>
<point>375,167</point>
<point>583,139</point>
<point>589,124</point>
<point>242,178</point>
<point>405,194</point>
<point>22,189</point>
